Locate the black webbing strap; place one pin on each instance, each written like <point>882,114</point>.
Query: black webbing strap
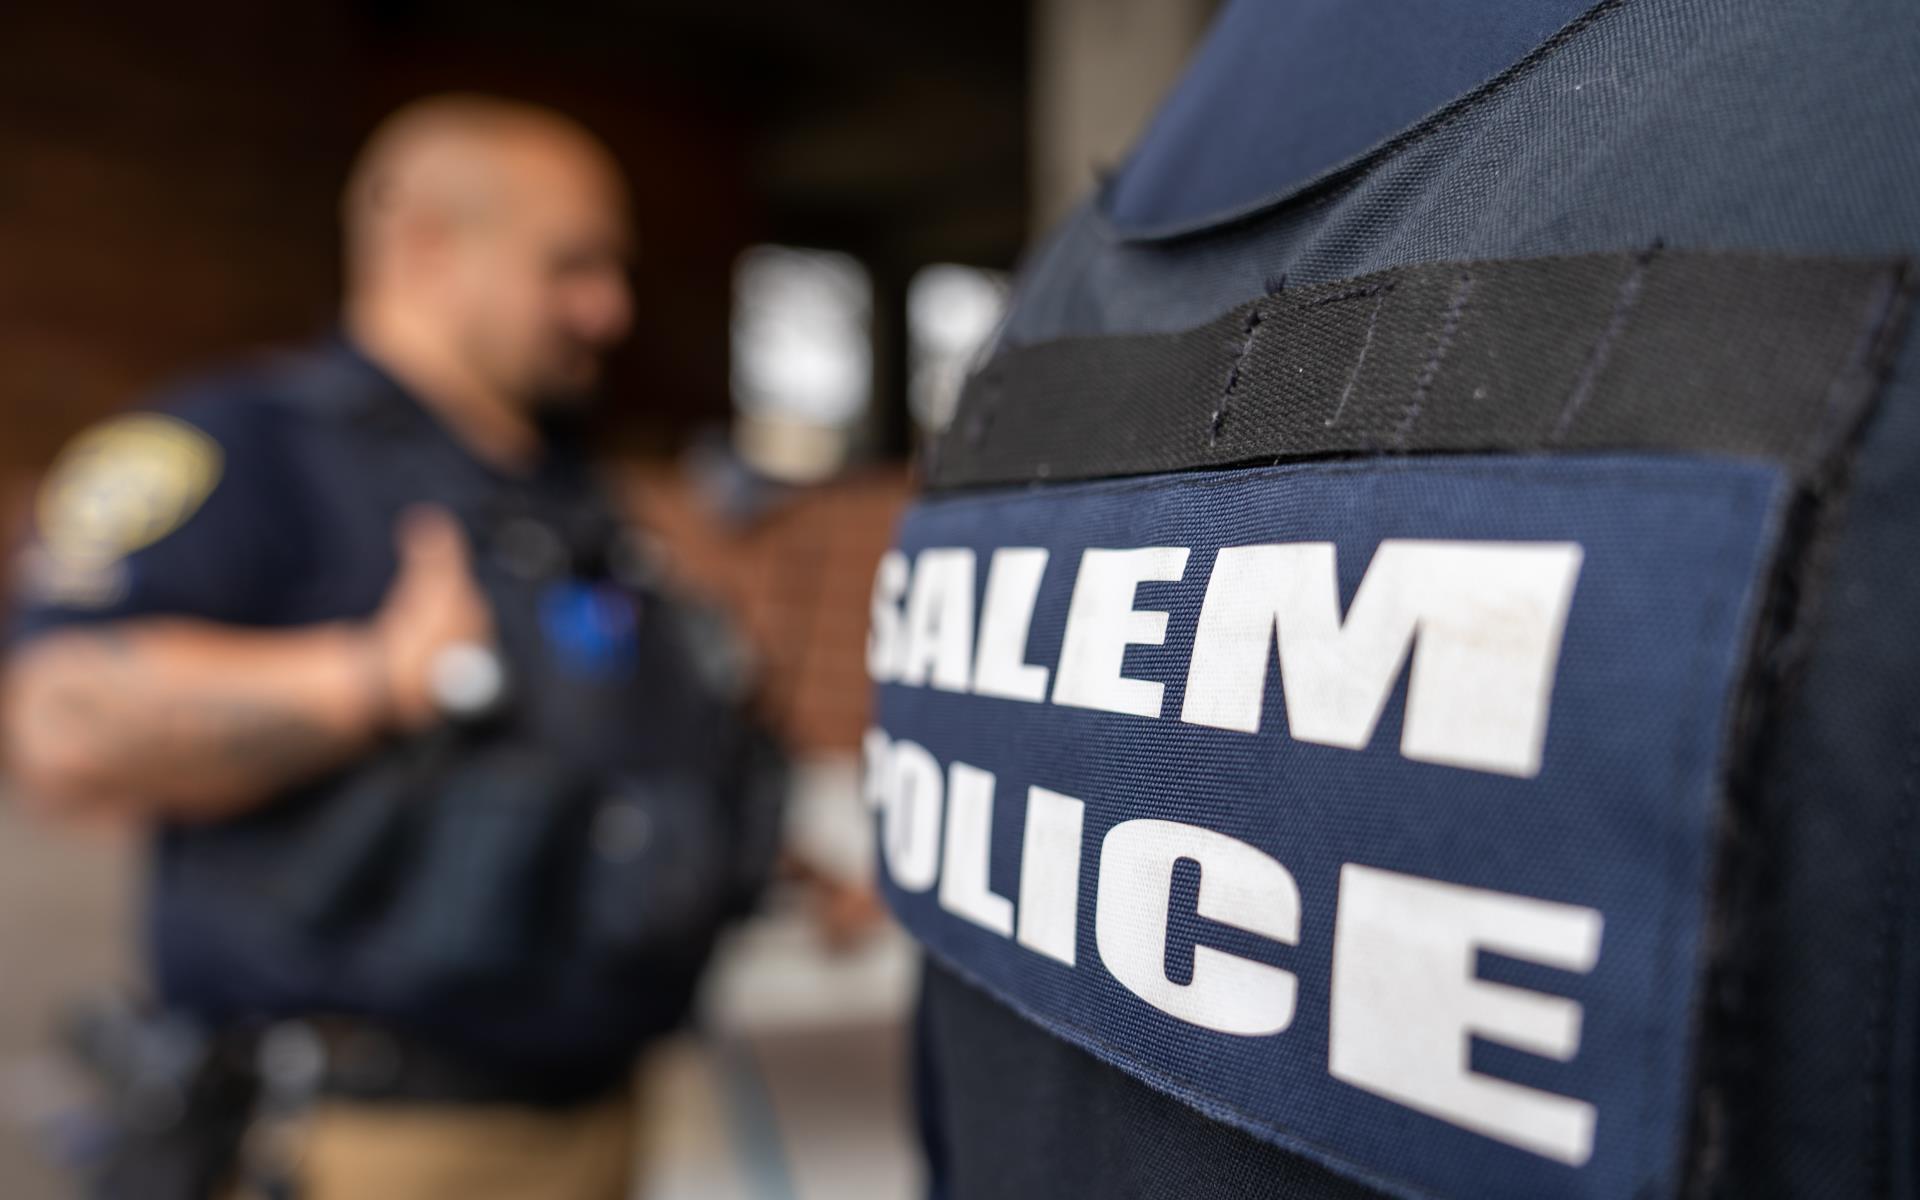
<point>1753,355</point>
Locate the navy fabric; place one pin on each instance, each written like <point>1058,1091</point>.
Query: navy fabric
<point>1817,1088</point>
<point>1764,125</point>
<point>1788,126</point>
<point>322,453</point>
<point>233,557</point>
<point>995,1079</point>
<point>1281,93</point>
<point>284,537</point>
<point>1620,817</point>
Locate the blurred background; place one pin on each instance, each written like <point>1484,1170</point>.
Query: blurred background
<point>830,198</point>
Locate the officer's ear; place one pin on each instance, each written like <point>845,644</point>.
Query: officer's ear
<point>401,236</point>
<point>422,232</point>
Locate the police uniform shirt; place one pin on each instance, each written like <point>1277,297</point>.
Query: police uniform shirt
<point>267,498</point>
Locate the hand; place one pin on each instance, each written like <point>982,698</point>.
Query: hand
<point>846,913</point>
<point>433,603</point>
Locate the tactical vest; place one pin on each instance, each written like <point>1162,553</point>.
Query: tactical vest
<point>535,889</point>
<point>1402,680</point>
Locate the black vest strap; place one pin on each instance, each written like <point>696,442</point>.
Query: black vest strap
<point>1761,356</point>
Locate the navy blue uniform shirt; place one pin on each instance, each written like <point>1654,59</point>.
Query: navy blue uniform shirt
<point>267,498</point>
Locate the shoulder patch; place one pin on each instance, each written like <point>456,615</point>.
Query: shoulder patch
<point>125,484</point>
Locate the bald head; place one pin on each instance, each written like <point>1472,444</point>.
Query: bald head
<point>490,236</point>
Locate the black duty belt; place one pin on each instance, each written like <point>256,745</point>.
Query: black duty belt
<point>351,1060</point>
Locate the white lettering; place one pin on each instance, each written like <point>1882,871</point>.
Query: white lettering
<point>884,643</point>
<point>1239,886</point>
<point>964,891</point>
<point>1000,667</point>
<point>939,622</point>
<point>1050,874</point>
<point>1102,623</point>
<point>1405,1000</point>
<point>1484,620</point>
<point>910,817</point>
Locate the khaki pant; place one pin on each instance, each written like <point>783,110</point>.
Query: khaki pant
<point>358,1151</point>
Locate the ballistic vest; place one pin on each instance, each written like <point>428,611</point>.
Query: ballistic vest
<point>534,889</point>
<point>1402,680</point>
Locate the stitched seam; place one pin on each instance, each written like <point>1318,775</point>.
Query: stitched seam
<point>1366,344</point>
<point>1219,417</point>
<point>1543,470</point>
<point>1854,376</point>
<point>1359,293</point>
<point>1624,299</point>
<point>1442,342</point>
<point>1714,715</point>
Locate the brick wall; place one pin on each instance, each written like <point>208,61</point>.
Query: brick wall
<point>168,181</point>
<point>169,175</point>
<point>797,580</point>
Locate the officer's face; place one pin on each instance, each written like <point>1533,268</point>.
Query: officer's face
<point>544,284</point>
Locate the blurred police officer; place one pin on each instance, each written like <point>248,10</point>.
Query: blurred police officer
<point>447,795</point>
<point>1440,719</point>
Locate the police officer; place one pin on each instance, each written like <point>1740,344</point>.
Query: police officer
<point>447,794</point>
<point>1403,680</point>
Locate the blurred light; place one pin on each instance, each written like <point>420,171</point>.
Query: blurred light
<point>952,311</point>
<point>802,358</point>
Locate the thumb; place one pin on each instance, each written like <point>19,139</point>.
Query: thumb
<point>430,540</point>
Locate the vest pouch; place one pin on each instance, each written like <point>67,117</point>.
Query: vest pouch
<point>647,867</point>
<point>470,882</point>
<point>443,865</point>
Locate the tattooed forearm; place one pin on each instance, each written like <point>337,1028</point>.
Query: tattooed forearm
<point>210,733</point>
<point>194,719</point>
